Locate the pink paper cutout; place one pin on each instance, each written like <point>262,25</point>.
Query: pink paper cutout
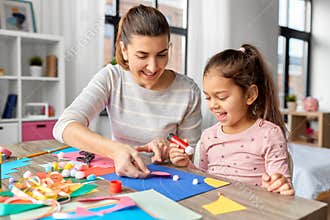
<point>80,211</point>
<point>98,161</point>
<point>160,173</point>
<point>124,202</point>
<point>98,198</point>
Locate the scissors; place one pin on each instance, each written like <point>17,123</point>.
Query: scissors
<point>86,157</point>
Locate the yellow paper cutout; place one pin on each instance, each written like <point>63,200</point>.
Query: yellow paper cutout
<point>223,205</point>
<point>214,182</point>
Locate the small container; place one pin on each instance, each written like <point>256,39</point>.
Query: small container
<point>115,186</point>
<point>51,66</point>
<point>36,110</point>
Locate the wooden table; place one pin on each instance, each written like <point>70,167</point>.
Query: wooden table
<point>260,203</point>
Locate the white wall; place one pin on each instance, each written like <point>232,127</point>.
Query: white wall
<point>213,26</point>
<point>81,23</point>
<point>320,75</point>
<point>217,25</point>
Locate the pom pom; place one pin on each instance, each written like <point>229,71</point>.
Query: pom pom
<point>176,177</point>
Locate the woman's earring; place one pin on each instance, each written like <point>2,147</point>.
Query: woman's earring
<point>254,110</point>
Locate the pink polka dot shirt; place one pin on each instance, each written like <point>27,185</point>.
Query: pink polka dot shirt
<point>245,156</point>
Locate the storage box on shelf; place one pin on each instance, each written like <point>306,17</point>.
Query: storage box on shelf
<point>9,133</point>
<point>315,135</point>
<point>37,130</point>
<point>16,49</point>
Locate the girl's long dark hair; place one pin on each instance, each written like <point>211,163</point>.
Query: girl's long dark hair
<point>246,67</point>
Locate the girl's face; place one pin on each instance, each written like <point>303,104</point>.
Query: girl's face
<point>147,58</point>
<point>227,102</point>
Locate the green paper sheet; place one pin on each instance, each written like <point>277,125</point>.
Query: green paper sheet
<point>161,206</point>
<point>9,209</point>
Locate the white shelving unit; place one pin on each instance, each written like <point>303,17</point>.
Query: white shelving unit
<point>16,49</point>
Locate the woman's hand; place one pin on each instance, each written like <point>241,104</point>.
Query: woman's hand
<point>129,163</point>
<point>178,157</point>
<point>277,183</point>
<point>159,147</point>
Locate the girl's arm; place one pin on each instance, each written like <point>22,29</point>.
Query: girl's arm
<point>278,176</point>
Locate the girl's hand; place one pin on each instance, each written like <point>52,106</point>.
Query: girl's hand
<point>277,183</point>
<point>159,147</point>
<point>129,163</point>
<point>178,157</point>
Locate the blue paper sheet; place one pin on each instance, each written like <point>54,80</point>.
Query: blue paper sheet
<point>129,213</point>
<point>175,190</point>
<point>9,167</point>
<point>66,150</point>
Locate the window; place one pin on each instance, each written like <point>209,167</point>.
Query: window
<point>294,44</point>
<point>176,13</point>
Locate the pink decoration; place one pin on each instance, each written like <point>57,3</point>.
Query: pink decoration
<point>98,161</point>
<point>124,202</point>
<point>5,152</point>
<point>60,155</point>
<point>310,104</point>
<point>160,173</point>
<point>61,164</point>
<point>98,198</point>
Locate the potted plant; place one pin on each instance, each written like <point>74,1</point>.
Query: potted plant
<point>291,102</point>
<point>36,66</point>
<point>113,61</point>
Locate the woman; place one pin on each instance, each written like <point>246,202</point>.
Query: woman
<point>144,100</point>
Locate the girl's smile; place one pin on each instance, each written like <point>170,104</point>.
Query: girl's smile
<point>227,101</point>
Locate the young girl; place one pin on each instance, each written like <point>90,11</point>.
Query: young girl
<point>144,100</point>
<point>248,144</point>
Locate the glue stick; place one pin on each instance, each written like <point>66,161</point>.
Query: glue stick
<point>182,144</point>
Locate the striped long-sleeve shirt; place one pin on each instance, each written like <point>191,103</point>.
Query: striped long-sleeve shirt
<point>137,115</point>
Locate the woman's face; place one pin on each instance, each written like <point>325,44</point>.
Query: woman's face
<point>147,58</point>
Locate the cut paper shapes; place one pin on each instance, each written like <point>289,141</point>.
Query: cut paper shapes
<point>127,213</point>
<point>9,167</point>
<point>223,205</point>
<point>215,183</point>
<point>159,205</point>
<point>176,190</point>
<point>98,161</point>
<point>160,173</point>
<point>124,202</point>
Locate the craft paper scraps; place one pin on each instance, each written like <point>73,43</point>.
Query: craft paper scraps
<point>176,190</point>
<point>98,161</point>
<point>81,212</point>
<point>9,209</point>
<point>223,205</point>
<point>9,167</point>
<point>99,171</point>
<point>65,207</point>
<point>66,150</point>
<point>128,213</point>
<point>215,183</point>
<point>162,207</point>
<point>160,173</point>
